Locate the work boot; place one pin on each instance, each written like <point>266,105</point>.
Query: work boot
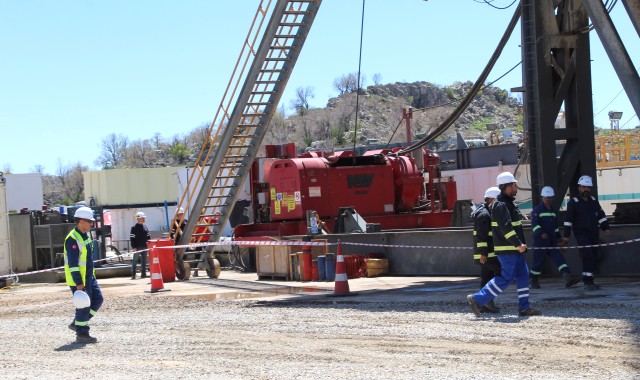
<point>474,305</point>
<point>490,307</point>
<point>72,326</point>
<point>529,312</point>
<point>85,338</point>
<point>195,273</point>
<point>143,275</point>
<point>590,287</point>
<point>534,283</point>
<point>133,275</point>
<point>570,280</point>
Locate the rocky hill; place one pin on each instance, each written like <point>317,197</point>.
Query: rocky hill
<point>380,115</point>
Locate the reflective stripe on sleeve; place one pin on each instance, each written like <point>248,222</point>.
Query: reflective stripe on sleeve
<point>602,220</point>
<point>536,228</point>
<point>568,224</point>
<point>481,244</point>
<point>509,234</point>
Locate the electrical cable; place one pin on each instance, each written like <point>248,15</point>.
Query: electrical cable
<point>355,128</point>
<point>451,102</point>
<point>474,90</point>
<point>508,6</point>
<point>634,115</point>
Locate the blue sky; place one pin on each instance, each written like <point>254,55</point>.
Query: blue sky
<point>73,72</point>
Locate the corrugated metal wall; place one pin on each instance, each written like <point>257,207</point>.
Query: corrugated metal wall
<point>131,186</point>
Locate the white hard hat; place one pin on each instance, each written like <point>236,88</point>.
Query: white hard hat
<point>585,180</point>
<point>81,299</point>
<point>84,213</point>
<point>180,211</point>
<point>492,192</point>
<point>505,177</point>
<point>140,215</point>
<point>547,191</point>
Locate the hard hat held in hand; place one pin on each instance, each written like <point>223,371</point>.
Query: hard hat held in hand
<point>84,213</point>
<point>81,299</point>
<point>585,180</point>
<point>505,177</point>
<point>547,191</point>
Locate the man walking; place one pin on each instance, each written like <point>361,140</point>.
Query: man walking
<point>139,237</point>
<point>584,216</point>
<point>483,244</point>
<point>508,240</point>
<point>546,235</point>
<point>79,272</point>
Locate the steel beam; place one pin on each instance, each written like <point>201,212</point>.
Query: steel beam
<point>633,9</point>
<point>615,49</point>
<point>557,71</point>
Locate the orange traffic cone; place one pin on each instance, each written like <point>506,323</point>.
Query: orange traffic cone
<point>341,282</point>
<point>157,285</point>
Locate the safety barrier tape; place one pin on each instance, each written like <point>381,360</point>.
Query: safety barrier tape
<point>255,243</point>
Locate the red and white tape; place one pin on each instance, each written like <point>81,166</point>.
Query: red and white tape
<point>255,243</point>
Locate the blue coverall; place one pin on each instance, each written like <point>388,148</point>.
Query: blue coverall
<point>91,287</point>
<point>584,216</point>
<point>544,221</point>
<point>506,226</point>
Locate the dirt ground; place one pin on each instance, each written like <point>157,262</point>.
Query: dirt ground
<point>238,328</point>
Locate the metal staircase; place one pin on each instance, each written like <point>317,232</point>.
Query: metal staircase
<point>236,133</point>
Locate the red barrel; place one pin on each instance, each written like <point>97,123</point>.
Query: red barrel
<point>166,257</point>
<point>305,258</point>
<point>314,270</point>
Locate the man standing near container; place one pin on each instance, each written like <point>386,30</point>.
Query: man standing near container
<point>508,241</point>
<point>584,216</point>
<point>79,272</point>
<point>139,237</point>
<point>483,244</point>
<point>546,235</point>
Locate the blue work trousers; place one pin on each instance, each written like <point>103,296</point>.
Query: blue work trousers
<point>589,255</point>
<point>83,316</point>
<point>143,264</point>
<point>514,266</point>
<point>540,254</point>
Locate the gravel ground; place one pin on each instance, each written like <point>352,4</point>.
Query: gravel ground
<point>151,336</point>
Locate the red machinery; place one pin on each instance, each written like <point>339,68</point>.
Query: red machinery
<point>385,189</point>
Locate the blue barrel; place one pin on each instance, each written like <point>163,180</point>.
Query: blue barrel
<point>330,266</point>
<point>321,269</point>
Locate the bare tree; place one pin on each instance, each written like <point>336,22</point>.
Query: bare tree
<point>140,154</point>
<point>377,79</point>
<point>6,169</point>
<point>301,101</point>
<point>278,131</point>
<point>37,168</point>
<point>71,182</point>
<point>113,151</point>
<point>346,83</point>
<point>198,138</point>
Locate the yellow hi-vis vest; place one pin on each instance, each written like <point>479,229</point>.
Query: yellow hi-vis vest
<point>82,259</point>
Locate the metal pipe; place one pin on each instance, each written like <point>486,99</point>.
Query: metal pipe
<point>615,50</point>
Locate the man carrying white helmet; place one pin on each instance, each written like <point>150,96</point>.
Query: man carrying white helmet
<point>139,237</point>
<point>509,245</point>
<point>79,272</point>
<point>584,216</point>
<point>483,252</point>
<point>546,237</point>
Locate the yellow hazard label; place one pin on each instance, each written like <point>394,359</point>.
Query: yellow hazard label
<point>273,192</point>
<point>291,203</point>
<point>276,205</point>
